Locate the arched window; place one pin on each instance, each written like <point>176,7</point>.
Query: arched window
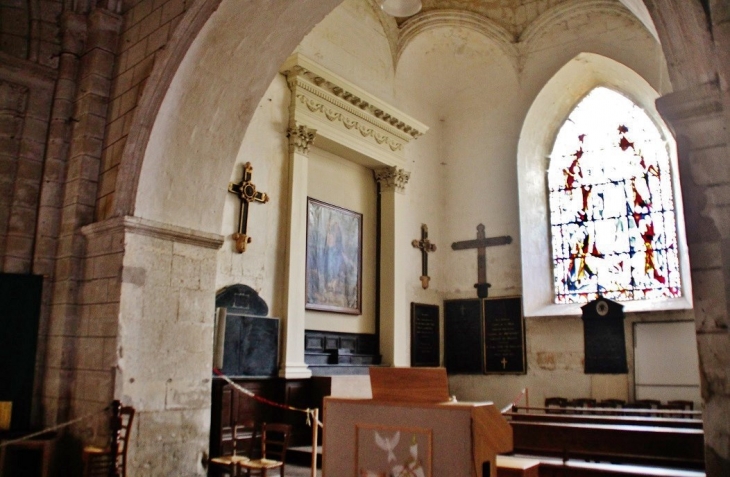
<point>612,217</point>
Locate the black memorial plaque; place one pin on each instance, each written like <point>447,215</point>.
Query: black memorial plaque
<point>251,346</point>
<point>251,342</point>
<point>425,349</point>
<point>604,337</point>
<point>504,336</point>
<point>463,342</point>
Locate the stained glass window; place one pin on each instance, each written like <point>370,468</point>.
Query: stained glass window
<point>611,205</point>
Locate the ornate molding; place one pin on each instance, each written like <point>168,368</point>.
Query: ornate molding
<point>365,129</point>
<point>392,178</point>
<point>429,20</point>
<point>300,138</point>
<point>151,228</point>
<point>343,113</point>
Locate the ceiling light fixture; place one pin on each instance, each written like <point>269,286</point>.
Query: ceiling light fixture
<point>400,8</point>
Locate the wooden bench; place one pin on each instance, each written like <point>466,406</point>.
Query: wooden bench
<point>606,419</point>
<point>553,467</point>
<point>648,445</point>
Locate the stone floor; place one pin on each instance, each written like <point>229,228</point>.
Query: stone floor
<point>298,471</point>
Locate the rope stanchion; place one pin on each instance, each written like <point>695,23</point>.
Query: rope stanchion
<point>511,405</point>
<point>312,414</point>
<point>53,428</point>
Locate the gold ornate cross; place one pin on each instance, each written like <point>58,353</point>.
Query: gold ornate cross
<point>425,246</point>
<point>247,193</point>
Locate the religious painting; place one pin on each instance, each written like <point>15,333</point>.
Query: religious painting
<point>334,258</point>
<point>384,451</point>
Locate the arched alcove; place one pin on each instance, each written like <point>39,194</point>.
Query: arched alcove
<point>547,113</point>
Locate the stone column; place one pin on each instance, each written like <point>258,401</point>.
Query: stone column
<point>394,320</point>
<point>157,349</point>
<point>700,125</point>
<point>292,359</point>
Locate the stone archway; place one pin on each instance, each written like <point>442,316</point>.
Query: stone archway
<point>192,115</point>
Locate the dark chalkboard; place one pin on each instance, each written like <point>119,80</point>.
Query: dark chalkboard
<point>251,346</point>
<point>604,337</point>
<point>463,336</point>
<point>425,349</point>
<point>504,336</point>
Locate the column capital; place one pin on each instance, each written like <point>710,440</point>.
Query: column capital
<point>392,178</point>
<point>300,138</point>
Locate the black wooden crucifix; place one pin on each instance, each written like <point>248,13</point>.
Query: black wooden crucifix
<point>481,244</point>
<point>246,192</point>
<point>425,246</point>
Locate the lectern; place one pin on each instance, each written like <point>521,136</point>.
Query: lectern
<point>411,428</point>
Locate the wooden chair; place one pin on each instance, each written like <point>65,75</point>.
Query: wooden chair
<point>243,437</point>
<point>274,443</point>
<point>582,403</point>
<point>553,402</point>
<point>643,404</point>
<point>111,461</point>
<point>683,405</point>
<point>612,403</point>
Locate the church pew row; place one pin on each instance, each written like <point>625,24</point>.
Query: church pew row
<point>611,411</point>
<point>554,467</point>
<point>628,444</point>
<point>634,420</point>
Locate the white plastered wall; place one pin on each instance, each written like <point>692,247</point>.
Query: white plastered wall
<point>475,98</point>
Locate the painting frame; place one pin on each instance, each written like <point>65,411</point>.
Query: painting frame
<point>333,281</point>
<point>374,451</point>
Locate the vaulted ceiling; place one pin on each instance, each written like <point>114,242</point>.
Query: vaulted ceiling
<point>515,15</point>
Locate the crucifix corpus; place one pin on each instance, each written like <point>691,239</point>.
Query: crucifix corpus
<point>425,246</point>
<point>247,193</point>
<point>481,244</point>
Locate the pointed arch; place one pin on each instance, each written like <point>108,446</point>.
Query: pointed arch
<point>542,122</point>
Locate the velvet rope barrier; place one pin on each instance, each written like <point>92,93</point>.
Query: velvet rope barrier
<point>511,405</point>
<point>54,428</point>
<point>312,414</point>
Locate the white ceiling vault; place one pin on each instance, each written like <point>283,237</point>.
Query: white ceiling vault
<point>512,22</point>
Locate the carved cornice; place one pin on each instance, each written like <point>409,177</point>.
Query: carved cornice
<point>392,178</point>
<point>300,138</point>
<point>350,122</point>
<point>700,102</point>
<point>349,100</point>
<point>420,23</point>
<point>151,228</point>
<point>342,112</point>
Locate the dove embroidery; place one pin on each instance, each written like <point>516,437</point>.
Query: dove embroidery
<point>388,444</point>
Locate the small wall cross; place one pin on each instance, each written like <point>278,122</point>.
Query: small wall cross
<point>425,246</point>
<point>247,193</point>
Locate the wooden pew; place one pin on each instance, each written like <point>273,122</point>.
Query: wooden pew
<point>649,445</point>
<point>610,411</point>
<point>605,419</point>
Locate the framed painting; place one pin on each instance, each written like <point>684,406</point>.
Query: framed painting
<point>384,451</point>
<point>334,258</point>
